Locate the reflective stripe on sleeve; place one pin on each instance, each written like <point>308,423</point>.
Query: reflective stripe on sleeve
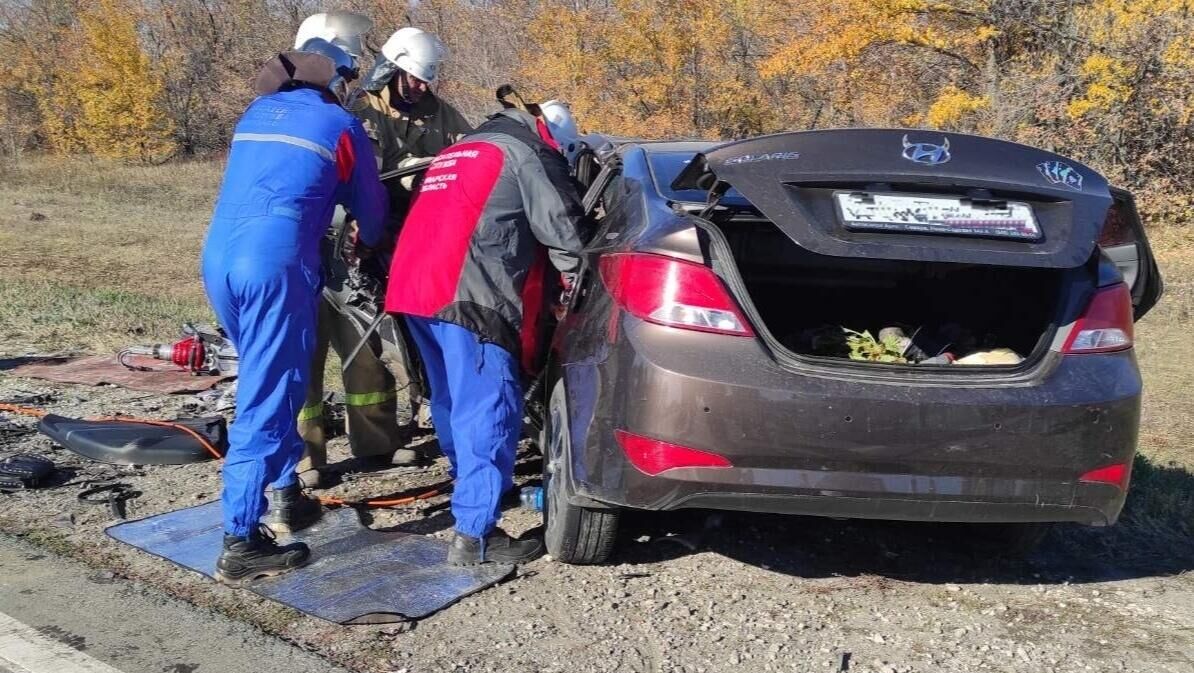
<point>310,413</point>
<point>286,139</point>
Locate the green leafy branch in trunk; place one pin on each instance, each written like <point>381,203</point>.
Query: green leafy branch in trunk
<point>864,346</point>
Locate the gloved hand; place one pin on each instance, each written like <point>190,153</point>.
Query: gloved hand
<point>349,241</point>
<point>353,251</point>
<point>408,182</point>
<point>567,286</point>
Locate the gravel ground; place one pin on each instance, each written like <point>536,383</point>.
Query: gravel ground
<point>690,591</point>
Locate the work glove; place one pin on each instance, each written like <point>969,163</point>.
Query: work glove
<point>408,182</point>
<point>352,249</point>
<point>567,285</point>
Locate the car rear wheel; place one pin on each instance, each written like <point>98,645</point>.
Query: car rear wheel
<point>579,535</point>
<point>574,534</point>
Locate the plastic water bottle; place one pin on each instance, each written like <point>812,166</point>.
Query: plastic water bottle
<point>532,498</point>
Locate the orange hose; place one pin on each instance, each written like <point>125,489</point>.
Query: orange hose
<point>334,501</point>
<point>203,441</point>
<point>24,411</point>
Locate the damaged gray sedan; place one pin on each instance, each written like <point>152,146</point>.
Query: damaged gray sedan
<point>852,323</point>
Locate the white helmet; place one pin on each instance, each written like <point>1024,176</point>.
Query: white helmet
<point>342,29</point>
<point>562,125</point>
<point>342,72</point>
<point>416,51</point>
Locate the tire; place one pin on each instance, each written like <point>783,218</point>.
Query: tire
<point>574,534</point>
<point>577,535</point>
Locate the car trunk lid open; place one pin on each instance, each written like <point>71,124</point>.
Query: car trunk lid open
<point>904,247</point>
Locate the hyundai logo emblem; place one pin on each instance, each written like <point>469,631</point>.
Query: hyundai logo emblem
<point>926,153</point>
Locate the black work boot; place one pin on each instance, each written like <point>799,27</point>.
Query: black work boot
<point>291,510</point>
<point>312,478</point>
<point>247,558</point>
<point>375,463</point>
<point>496,547</point>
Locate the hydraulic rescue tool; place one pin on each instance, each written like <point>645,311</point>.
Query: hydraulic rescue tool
<point>204,349</point>
<point>367,285</point>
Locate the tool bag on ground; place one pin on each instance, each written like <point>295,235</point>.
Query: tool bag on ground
<point>24,471</point>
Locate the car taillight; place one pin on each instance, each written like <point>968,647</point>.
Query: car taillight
<point>652,456</point>
<point>1116,475</point>
<point>672,292</point>
<point>1105,325</point>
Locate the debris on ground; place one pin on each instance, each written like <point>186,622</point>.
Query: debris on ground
<point>24,470</point>
<point>98,370</point>
<point>136,441</point>
<point>114,494</point>
<point>220,399</point>
<point>776,593</point>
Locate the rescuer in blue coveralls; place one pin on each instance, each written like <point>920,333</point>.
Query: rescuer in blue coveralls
<point>295,154</point>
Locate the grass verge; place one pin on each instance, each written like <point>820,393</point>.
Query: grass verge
<point>44,315</point>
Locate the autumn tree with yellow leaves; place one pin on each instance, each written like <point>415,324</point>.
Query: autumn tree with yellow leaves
<point>94,88</point>
<point>113,86</point>
<point>1109,82</point>
<point>653,68</point>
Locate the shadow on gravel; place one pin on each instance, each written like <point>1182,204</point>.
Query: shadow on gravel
<point>13,363</point>
<point>1155,537</point>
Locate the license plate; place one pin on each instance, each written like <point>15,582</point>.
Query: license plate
<point>866,211</point>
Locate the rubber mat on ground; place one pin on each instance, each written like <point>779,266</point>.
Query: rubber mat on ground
<point>356,575</point>
<point>105,369</point>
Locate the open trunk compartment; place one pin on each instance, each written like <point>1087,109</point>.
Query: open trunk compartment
<point>806,299</point>
<point>894,245</point>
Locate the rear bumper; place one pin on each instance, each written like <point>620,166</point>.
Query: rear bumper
<point>846,446</point>
<point>877,496</point>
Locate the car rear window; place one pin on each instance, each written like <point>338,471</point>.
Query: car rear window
<point>665,166</point>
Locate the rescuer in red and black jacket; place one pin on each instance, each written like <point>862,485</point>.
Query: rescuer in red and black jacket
<point>468,273</point>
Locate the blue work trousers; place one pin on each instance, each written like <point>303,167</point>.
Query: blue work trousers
<point>476,405</point>
<point>265,298</point>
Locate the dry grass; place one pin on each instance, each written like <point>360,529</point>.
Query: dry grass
<point>1160,509</point>
<point>106,225</point>
<point>115,257</point>
<point>1165,346</point>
